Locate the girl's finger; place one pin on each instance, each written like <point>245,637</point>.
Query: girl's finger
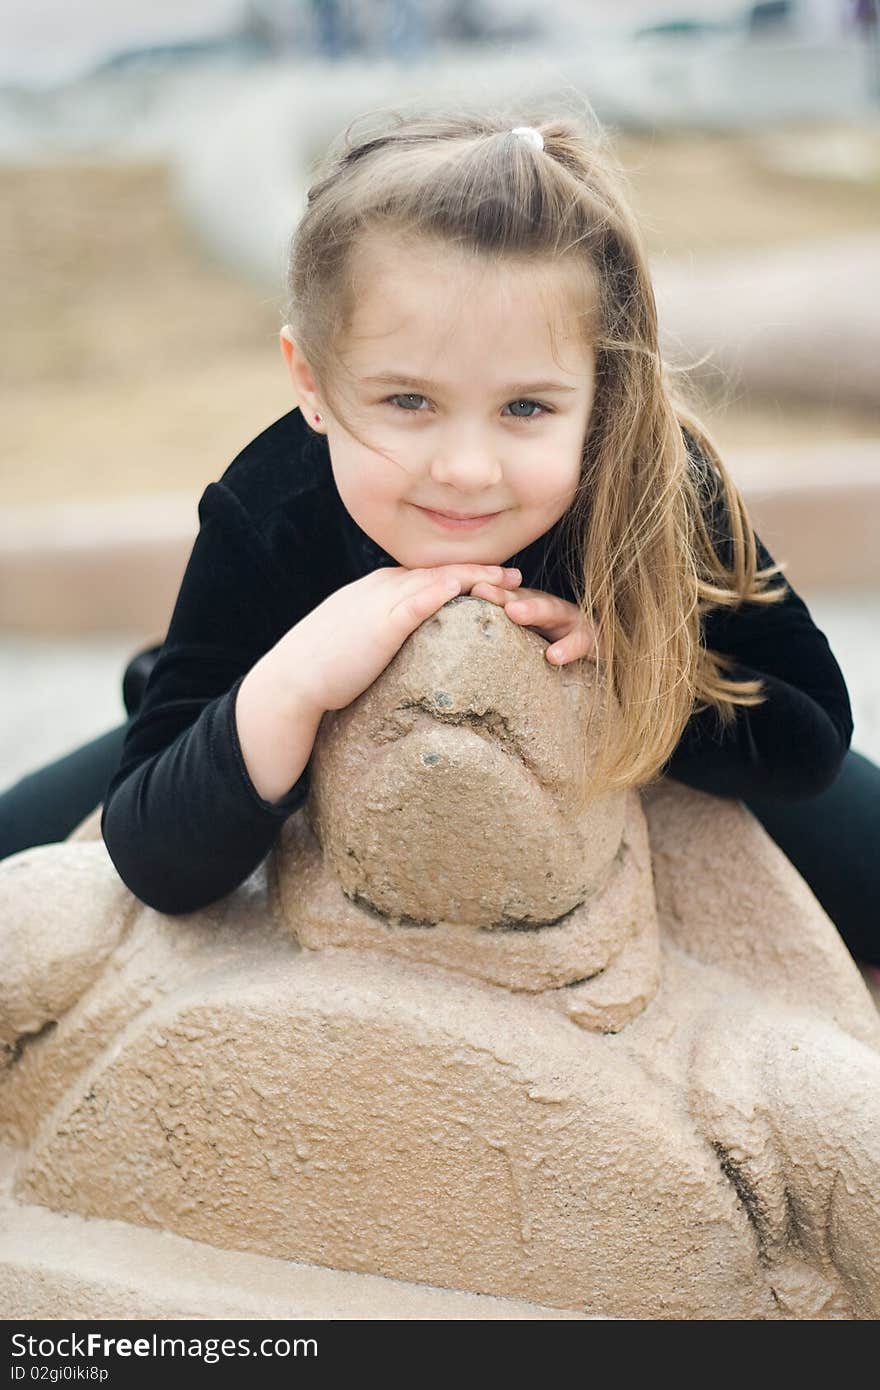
<point>493,592</point>
<point>414,580</point>
<point>551,616</point>
<point>411,609</point>
<point>495,575</point>
<point>541,602</point>
<point>571,648</point>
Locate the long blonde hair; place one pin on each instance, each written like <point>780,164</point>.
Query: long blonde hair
<point>635,541</point>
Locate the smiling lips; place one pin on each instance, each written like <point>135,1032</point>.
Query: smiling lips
<point>454,522</point>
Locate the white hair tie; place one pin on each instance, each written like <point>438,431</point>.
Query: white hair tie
<point>530,135</point>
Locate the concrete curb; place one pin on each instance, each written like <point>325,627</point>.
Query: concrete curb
<point>101,566</point>
<point>90,567</point>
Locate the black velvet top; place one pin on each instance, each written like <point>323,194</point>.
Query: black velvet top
<point>182,821</point>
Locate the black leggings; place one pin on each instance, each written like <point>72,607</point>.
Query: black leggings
<point>832,839</point>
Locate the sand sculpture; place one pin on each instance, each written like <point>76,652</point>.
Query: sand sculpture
<point>449,1033</point>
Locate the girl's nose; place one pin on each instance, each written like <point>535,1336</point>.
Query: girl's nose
<point>467,469</point>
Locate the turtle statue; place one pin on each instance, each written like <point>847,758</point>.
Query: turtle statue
<point>455,1031</point>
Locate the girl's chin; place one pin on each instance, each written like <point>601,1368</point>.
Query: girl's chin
<point>433,559</point>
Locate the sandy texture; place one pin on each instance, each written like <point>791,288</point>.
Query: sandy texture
<point>385,1112</point>
<point>63,1266</point>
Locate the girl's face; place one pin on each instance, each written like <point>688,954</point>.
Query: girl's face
<point>451,374</point>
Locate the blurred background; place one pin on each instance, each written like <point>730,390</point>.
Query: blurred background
<point>154,159</point>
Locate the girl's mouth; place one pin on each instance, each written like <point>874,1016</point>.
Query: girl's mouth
<point>457,523</point>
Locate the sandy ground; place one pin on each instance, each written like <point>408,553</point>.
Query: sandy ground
<point>134,365</point>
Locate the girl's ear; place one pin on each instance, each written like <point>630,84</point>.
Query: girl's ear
<point>304,386</point>
<point>287,346</point>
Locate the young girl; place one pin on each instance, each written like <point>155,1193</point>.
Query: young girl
<point>482,408</point>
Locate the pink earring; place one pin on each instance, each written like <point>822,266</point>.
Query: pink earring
<point>317,419</point>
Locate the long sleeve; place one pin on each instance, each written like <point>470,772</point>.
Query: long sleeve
<point>182,821</point>
<point>790,747</point>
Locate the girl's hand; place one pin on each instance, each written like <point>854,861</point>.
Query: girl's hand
<point>561,622</point>
<point>338,649</point>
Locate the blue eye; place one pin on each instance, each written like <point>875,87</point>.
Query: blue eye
<point>541,408</point>
<point>522,400</point>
